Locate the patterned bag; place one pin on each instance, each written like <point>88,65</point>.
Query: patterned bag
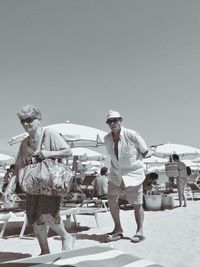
<point>47,177</point>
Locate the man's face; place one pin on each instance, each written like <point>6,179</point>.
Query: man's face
<point>114,124</point>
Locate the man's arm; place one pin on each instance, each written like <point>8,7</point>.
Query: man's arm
<point>145,153</point>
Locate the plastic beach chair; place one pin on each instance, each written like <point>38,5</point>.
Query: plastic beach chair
<point>195,188</point>
<point>11,216</point>
<point>97,256</point>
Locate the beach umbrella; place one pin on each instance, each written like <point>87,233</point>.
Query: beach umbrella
<point>81,151</point>
<point>189,162</point>
<point>74,134</point>
<point>5,158</point>
<point>165,150</point>
<point>93,163</point>
<point>197,160</point>
<point>154,160</point>
<point>156,169</point>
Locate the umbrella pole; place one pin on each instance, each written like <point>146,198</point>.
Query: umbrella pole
<point>74,170</point>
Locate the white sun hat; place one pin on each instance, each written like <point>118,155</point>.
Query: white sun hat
<point>113,114</point>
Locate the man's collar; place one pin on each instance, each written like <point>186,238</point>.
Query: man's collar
<point>121,133</point>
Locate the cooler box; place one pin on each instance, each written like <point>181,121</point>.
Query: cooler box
<point>168,201</point>
<point>153,202</point>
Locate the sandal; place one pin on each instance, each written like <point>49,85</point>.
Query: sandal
<point>114,236</point>
<point>137,238</point>
<point>114,233</point>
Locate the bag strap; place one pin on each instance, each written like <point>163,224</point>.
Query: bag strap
<point>41,139</point>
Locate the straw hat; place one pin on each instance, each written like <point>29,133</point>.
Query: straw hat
<point>113,114</point>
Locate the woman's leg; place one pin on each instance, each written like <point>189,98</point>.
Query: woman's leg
<point>180,192</point>
<point>184,196</point>
<point>67,239</point>
<point>41,232</point>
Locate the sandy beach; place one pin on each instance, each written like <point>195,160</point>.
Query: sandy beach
<point>172,236</point>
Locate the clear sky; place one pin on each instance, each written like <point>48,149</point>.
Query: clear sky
<point>75,59</point>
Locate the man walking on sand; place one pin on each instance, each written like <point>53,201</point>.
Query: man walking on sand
<point>127,150</point>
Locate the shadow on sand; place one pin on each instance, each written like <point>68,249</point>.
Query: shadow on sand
<point>10,256</point>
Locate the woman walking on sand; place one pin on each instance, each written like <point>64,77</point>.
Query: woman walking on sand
<point>42,211</point>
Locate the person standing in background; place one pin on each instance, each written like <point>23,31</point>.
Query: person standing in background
<point>181,180</point>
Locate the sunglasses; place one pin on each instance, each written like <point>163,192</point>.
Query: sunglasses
<point>28,120</point>
<point>112,120</point>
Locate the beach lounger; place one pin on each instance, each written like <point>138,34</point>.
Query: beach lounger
<point>10,216</point>
<point>195,188</point>
<point>5,217</point>
<point>81,210</point>
<point>97,256</point>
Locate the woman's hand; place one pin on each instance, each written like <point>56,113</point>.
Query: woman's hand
<point>43,154</point>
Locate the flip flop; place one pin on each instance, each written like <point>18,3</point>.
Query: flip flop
<point>137,238</point>
<point>114,233</point>
<point>114,237</point>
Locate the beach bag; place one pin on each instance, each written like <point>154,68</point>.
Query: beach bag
<point>171,169</point>
<point>188,170</point>
<point>47,177</point>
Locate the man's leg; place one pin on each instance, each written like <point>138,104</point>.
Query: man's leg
<point>134,195</point>
<point>112,197</point>
<point>139,218</point>
<point>114,210</point>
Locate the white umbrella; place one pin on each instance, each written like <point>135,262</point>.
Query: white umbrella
<point>5,159</point>
<point>183,151</point>
<point>154,160</point>
<point>93,163</point>
<point>76,135</point>
<point>197,160</point>
<point>81,151</point>
<point>156,169</point>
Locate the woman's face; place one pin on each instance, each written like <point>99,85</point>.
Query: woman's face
<point>30,124</point>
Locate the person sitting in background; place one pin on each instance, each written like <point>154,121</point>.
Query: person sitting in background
<point>198,178</point>
<point>150,182</point>
<point>100,189</point>
<point>8,176</point>
<point>181,180</point>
